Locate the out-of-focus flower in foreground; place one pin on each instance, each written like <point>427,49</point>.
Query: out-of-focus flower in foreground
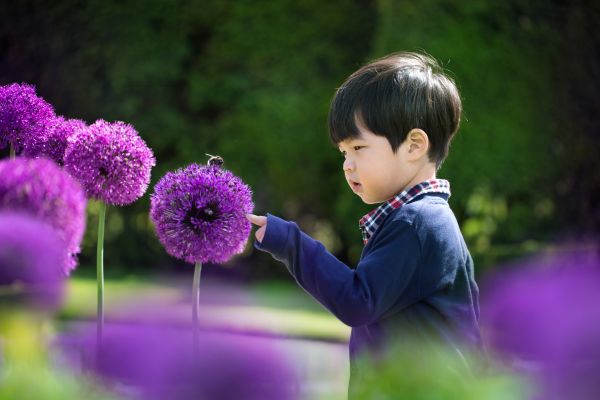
<point>40,188</point>
<point>31,263</point>
<point>544,316</point>
<point>156,363</point>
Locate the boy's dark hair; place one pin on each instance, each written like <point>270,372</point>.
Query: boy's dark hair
<point>395,94</point>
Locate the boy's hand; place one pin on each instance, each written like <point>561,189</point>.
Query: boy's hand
<point>261,222</point>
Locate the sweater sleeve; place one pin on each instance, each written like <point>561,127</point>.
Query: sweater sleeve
<point>384,282</point>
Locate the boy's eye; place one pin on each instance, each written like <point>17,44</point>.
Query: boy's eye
<point>356,148</point>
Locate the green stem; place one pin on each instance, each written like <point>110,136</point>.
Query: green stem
<point>195,304</point>
<point>100,273</point>
<point>12,152</point>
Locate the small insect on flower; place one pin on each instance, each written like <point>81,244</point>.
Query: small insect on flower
<point>199,212</point>
<point>215,160</point>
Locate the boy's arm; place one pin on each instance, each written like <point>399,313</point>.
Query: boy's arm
<point>385,281</point>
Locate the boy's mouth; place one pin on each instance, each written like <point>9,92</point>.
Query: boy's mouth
<point>356,187</point>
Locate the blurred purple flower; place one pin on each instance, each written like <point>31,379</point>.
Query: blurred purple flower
<point>111,161</point>
<point>156,362</point>
<point>31,260</point>
<point>54,142</point>
<point>24,117</point>
<point>546,314</point>
<point>42,189</point>
<point>199,213</point>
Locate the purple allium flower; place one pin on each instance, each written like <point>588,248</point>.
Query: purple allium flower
<point>31,262</point>
<point>545,314</point>
<point>199,213</point>
<point>54,142</point>
<point>111,161</point>
<point>155,362</point>
<point>24,117</point>
<point>41,188</point>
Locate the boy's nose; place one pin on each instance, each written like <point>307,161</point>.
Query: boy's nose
<point>348,165</point>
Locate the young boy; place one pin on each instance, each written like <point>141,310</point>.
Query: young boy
<point>393,121</point>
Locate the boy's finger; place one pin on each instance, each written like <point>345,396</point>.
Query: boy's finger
<point>259,220</point>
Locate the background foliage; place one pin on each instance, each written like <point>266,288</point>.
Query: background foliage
<point>252,81</point>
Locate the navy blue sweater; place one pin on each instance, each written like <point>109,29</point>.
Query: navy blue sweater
<point>414,279</point>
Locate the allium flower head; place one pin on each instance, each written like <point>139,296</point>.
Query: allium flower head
<point>199,213</point>
<point>111,161</point>
<point>31,260</point>
<point>53,143</point>
<point>24,117</point>
<point>41,188</point>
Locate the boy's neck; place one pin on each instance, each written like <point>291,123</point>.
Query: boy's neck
<point>427,172</point>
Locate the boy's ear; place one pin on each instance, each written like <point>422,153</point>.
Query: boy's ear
<point>418,143</point>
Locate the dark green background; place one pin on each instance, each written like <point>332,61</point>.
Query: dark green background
<point>252,81</point>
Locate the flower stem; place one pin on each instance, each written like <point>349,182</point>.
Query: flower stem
<point>195,304</point>
<point>12,152</point>
<point>100,273</point>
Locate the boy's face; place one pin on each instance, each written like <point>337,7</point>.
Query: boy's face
<point>373,171</point>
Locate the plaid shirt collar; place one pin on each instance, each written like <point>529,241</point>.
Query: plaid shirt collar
<point>370,222</point>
